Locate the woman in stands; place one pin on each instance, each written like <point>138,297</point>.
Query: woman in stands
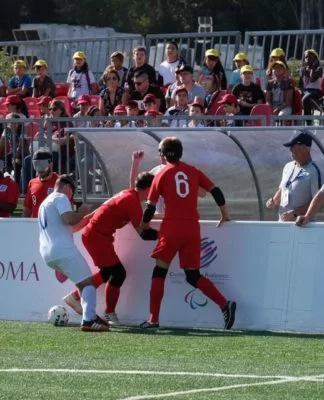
<point>240,60</point>
<point>80,79</point>
<point>276,55</point>
<point>310,81</point>
<point>113,95</point>
<point>212,68</point>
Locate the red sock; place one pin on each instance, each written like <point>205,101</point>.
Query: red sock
<point>210,290</point>
<point>76,294</point>
<point>156,296</point>
<point>97,280</point>
<point>112,296</point>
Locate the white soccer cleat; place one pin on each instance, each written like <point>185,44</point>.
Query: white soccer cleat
<point>75,304</point>
<point>112,319</point>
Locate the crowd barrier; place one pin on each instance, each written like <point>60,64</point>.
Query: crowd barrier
<point>272,270</point>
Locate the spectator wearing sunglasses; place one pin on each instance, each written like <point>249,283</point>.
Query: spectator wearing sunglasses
<point>113,95</point>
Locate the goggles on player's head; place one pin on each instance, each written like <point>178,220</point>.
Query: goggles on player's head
<point>41,165</point>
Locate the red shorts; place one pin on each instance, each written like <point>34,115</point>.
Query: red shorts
<point>101,248</point>
<point>181,237</point>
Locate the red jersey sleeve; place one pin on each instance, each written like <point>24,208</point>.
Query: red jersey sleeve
<point>28,200</point>
<point>135,211</point>
<point>204,181</point>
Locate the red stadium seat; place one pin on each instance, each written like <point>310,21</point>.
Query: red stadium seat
<point>31,103</point>
<point>94,100</point>
<point>261,109</point>
<point>34,113</point>
<point>214,102</point>
<point>67,103</point>
<point>298,104</point>
<point>62,88</point>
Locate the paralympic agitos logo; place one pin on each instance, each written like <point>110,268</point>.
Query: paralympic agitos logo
<point>208,253</point>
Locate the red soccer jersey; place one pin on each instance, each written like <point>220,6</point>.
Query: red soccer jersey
<point>179,184</point>
<point>9,193</point>
<point>37,192</point>
<point>117,212</point>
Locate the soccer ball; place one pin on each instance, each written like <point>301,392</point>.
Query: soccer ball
<point>58,316</point>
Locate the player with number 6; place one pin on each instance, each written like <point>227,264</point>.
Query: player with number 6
<point>178,183</point>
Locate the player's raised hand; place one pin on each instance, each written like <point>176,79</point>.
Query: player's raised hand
<point>138,155</point>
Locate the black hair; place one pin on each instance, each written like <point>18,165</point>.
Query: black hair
<point>66,179</point>
<point>171,148</point>
<point>144,180</point>
<point>173,42</point>
<point>42,155</point>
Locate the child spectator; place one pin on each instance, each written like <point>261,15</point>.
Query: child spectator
<point>43,103</point>
<point>80,79</point>
<point>140,65</point>
<point>116,62</point>
<point>240,60</point>
<point>16,104</point>
<point>154,118</point>
<point>120,111</point>
<point>113,95</point>
<point>194,89</point>
<point>42,83</point>
<point>276,55</point>
<point>93,111</point>
<point>248,93</point>
<point>279,94</point>
<point>133,111</point>
<point>232,108</point>
<point>21,83</point>
<point>83,104</point>
<point>212,67</point>
<point>180,108</point>
<point>310,80</point>
<point>196,110</point>
<point>149,102</point>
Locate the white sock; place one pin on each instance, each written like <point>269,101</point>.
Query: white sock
<point>88,302</point>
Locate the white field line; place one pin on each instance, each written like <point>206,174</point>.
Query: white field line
<point>206,390</point>
<point>139,372</point>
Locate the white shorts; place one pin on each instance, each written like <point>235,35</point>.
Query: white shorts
<point>74,267</point>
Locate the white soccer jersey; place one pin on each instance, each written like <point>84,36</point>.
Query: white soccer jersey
<point>55,238</point>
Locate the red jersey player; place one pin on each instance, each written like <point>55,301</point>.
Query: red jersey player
<point>41,186</point>
<point>178,183</point>
<point>98,239</point>
<point>9,194</point>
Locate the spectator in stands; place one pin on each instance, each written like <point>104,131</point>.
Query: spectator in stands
<point>231,108</point>
<point>113,95</point>
<point>42,84</point>
<point>93,111</point>
<point>120,111</point>
<point>212,67</point>
<point>3,88</point>
<point>43,103</point>
<point>248,93</point>
<point>133,111</point>
<point>301,179</point>
<point>194,89</point>
<point>280,90</point>
<point>153,118</point>
<point>276,55</point>
<point>140,65</point>
<point>21,83</point>
<point>63,142</point>
<point>41,186</point>
<point>16,104</point>
<point>143,87</point>
<point>180,108</point>
<point>83,104</point>
<point>196,110</point>
<point>310,81</point>
<point>240,60</point>
<point>9,193</point>
<point>172,61</point>
<point>171,88</point>
<point>149,102</point>
<point>116,62</point>
<point>80,79</point>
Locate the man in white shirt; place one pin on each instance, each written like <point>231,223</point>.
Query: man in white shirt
<point>57,222</point>
<point>172,61</point>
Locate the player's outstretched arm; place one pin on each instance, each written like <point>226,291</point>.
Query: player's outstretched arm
<point>137,157</point>
<point>72,218</point>
<point>313,208</point>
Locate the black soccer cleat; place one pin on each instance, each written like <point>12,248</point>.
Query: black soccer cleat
<point>229,314</point>
<point>148,326</point>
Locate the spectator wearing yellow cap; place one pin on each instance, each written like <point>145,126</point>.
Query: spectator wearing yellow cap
<point>276,54</point>
<point>239,60</point>
<point>212,69</point>
<point>21,83</point>
<point>311,74</point>
<point>80,79</point>
<point>248,93</point>
<point>42,83</point>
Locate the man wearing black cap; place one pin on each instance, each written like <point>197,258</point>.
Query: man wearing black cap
<point>195,91</point>
<point>301,179</point>
<point>41,186</point>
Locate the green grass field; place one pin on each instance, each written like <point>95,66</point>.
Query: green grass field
<point>39,361</point>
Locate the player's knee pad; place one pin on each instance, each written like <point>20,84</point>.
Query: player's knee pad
<point>159,272</point>
<point>192,276</point>
<point>105,274</point>
<point>118,275</point>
